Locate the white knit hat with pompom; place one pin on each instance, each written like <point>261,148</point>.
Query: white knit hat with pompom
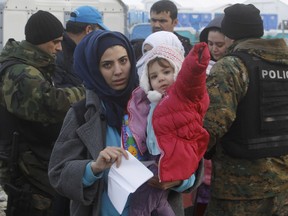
<point>173,55</point>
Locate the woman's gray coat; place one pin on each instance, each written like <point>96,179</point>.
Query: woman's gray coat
<point>75,147</point>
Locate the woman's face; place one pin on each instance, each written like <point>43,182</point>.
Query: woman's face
<point>216,44</point>
<point>115,67</point>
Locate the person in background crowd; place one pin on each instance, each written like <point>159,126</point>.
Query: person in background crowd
<point>153,40</point>
<point>82,21</point>
<point>32,106</point>
<point>247,120</point>
<point>163,17</point>
<point>215,39</point>
<point>160,96</point>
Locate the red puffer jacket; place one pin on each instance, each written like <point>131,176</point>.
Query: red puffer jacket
<point>178,118</point>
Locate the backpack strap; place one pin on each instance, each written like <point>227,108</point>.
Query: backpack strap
<point>8,125</point>
<point>4,65</point>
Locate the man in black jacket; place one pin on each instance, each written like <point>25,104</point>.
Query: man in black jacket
<point>163,17</point>
<point>82,21</point>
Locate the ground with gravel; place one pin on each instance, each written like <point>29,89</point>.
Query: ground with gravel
<point>3,202</point>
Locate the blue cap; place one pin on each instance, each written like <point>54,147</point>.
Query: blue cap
<point>87,14</point>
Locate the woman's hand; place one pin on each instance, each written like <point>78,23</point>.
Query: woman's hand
<point>107,157</point>
<point>154,182</point>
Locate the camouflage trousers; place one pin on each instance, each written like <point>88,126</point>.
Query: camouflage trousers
<point>273,206</point>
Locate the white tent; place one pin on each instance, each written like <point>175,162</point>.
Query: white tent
<point>187,4</point>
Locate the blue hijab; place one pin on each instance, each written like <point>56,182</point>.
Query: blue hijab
<point>87,56</point>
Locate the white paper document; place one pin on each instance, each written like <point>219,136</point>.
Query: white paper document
<point>125,180</point>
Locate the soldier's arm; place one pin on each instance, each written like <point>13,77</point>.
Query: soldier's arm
<point>31,97</point>
<point>227,84</point>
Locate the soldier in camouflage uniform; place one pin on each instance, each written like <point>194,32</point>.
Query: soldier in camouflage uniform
<point>254,182</point>
<point>37,108</point>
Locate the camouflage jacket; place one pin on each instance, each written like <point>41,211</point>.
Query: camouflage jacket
<point>27,89</point>
<point>27,92</point>
<point>227,85</point>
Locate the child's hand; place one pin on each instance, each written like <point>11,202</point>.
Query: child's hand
<point>198,58</point>
<point>203,52</point>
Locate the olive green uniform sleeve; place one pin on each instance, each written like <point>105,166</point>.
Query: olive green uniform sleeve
<point>31,96</point>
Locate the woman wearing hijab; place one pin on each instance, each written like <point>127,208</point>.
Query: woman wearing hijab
<point>84,151</point>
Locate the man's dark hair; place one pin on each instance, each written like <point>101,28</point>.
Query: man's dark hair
<point>165,6</point>
<point>78,27</point>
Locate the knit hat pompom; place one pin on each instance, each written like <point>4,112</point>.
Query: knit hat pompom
<point>154,96</point>
<point>242,21</point>
<point>172,54</point>
<point>43,27</point>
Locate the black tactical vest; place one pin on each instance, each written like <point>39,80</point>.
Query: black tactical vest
<point>261,126</point>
